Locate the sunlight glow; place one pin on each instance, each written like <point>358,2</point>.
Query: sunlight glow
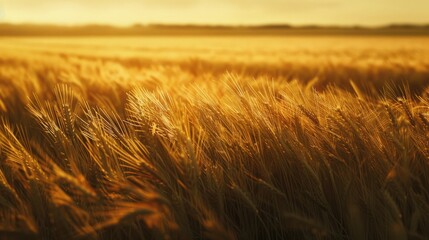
<point>327,12</point>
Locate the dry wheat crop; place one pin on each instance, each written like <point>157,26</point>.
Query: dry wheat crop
<point>214,138</point>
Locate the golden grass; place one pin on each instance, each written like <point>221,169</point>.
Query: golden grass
<point>204,140</point>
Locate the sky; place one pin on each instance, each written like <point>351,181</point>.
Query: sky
<point>229,12</point>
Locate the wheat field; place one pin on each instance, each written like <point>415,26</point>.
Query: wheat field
<point>214,138</point>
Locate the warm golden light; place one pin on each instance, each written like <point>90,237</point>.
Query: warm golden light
<point>214,119</point>
<point>337,12</point>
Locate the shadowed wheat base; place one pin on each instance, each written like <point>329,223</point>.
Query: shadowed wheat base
<point>138,148</point>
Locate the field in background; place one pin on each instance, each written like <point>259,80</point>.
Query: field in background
<point>371,62</point>
<point>214,137</point>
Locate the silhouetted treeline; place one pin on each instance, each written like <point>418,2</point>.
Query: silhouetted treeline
<point>7,29</point>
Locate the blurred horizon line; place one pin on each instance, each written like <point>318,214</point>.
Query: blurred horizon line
<point>137,29</point>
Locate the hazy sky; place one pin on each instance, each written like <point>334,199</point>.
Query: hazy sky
<point>126,12</point>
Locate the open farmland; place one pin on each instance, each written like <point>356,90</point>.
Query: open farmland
<point>214,138</point>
